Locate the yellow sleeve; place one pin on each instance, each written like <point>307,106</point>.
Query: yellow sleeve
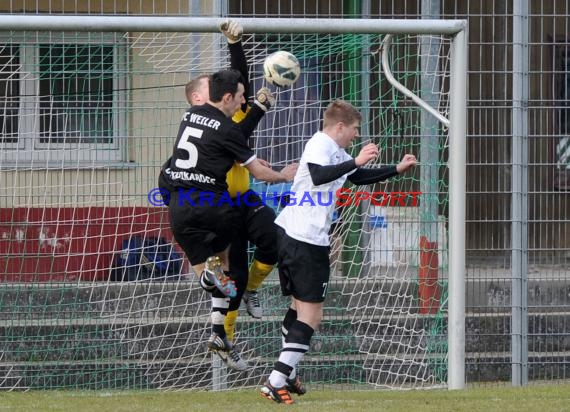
<point>237,179</point>
<point>238,176</point>
<point>240,115</point>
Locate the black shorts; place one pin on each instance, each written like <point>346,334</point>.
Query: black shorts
<point>259,228</point>
<point>204,229</point>
<point>304,269</point>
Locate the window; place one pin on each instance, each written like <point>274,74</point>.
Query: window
<point>62,99</point>
<point>9,90</point>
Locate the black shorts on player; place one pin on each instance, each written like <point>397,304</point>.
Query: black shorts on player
<point>202,230</point>
<point>294,259</point>
<point>257,227</point>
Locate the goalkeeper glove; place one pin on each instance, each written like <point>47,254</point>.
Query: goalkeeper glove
<point>232,30</point>
<point>264,99</point>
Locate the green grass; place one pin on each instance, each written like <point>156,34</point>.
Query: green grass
<point>498,398</point>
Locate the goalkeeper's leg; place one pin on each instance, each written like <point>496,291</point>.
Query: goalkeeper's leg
<point>261,232</point>
<point>258,271</point>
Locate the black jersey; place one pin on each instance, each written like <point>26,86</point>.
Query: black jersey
<point>207,146</point>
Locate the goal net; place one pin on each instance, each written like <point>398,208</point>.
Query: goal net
<point>95,295</point>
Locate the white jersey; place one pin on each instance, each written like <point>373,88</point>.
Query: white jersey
<point>308,216</point>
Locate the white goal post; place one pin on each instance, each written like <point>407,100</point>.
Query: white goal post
<point>455,119</point>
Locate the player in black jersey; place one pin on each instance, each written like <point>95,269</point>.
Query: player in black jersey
<point>203,219</point>
<point>258,225</point>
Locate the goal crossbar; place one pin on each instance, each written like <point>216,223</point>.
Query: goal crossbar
<point>211,24</point>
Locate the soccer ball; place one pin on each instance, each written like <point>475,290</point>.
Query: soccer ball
<point>281,69</point>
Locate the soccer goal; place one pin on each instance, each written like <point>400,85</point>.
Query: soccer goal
<point>94,293</point>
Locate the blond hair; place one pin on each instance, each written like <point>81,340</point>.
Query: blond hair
<point>193,86</point>
<point>340,111</point>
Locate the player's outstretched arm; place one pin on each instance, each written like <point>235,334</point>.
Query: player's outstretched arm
<point>407,162</point>
<point>261,172</point>
<point>379,174</point>
<point>265,99</point>
<point>233,31</point>
<point>324,174</point>
<point>367,154</point>
<point>263,102</point>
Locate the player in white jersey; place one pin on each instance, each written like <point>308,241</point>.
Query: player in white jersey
<point>303,234</point>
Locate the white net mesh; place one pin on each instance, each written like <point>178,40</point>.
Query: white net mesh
<point>96,117</point>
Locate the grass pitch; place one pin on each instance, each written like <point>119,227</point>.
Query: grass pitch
<point>541,398</point>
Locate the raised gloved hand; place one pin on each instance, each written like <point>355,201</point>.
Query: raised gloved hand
<point>264,98</point>
<point>232,30</point>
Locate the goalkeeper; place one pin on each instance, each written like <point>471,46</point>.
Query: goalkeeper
<point>258,220</point>
<point>303,236</point>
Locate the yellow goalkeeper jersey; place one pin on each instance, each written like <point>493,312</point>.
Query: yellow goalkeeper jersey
<point>238,176</point>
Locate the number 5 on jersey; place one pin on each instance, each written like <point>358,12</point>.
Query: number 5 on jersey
<point>188,147</point>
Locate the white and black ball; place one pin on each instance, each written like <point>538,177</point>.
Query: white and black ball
<point>281,69</point>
